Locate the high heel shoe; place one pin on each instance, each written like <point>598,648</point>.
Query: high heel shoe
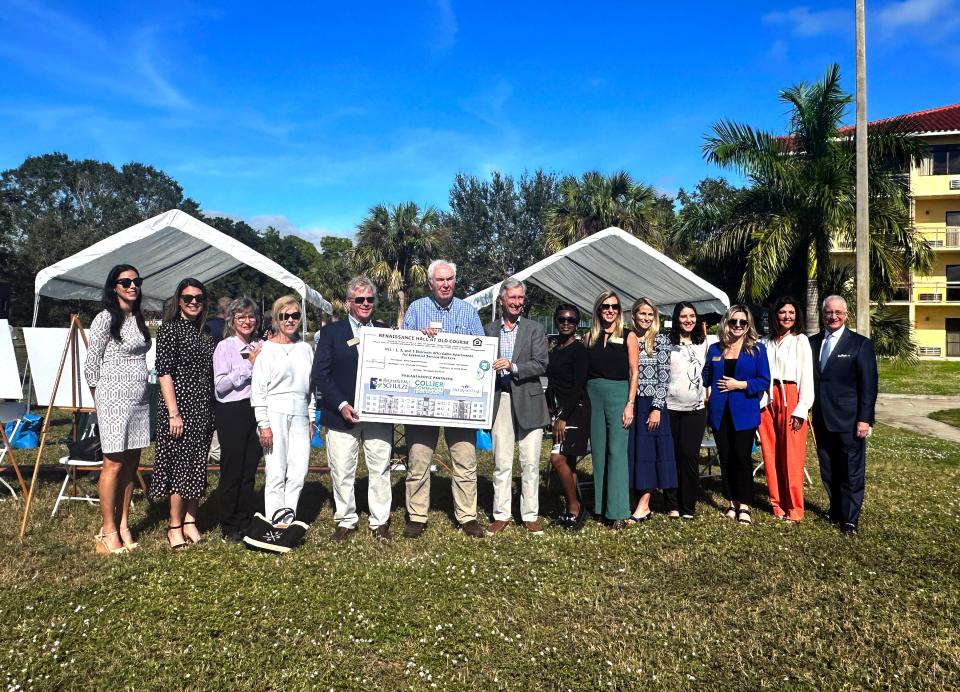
<point>175,546</point>
<point>101,545</point>
<point>190,540</point>
<point>129,544</point>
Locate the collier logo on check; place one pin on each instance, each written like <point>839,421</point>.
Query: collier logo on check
<point>384,384</point>
<point>428,386</point>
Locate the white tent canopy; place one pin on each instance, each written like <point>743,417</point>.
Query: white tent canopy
<point>165,249</point>
<point>614,259</point>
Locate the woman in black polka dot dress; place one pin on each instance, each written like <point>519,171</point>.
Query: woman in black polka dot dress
<point>185,413</point>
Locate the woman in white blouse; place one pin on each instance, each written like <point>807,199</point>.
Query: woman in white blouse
<point>783,420</point>
<point>280,391</point>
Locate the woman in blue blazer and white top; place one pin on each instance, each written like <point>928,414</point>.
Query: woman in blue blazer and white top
<point>738,374</point>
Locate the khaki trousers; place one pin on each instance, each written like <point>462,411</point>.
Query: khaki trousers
<point>421,443</point>
<point>343,455</point>
<point>505,434</point>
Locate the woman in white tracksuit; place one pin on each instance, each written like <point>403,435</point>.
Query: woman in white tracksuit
<point>280,394</point>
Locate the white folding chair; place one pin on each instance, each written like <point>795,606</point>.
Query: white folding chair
<point>72,466</point>
<point>708,445</point>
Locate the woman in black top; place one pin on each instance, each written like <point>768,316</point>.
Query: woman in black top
<point>570,410</point>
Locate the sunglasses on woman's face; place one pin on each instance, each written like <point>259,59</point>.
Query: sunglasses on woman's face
<point>738,323</point>
<point>189,299</point>
<point>127,283</point>
<point>567,320</point>
<point>610,306</point>
<point>284,316</point>
<point>360,300</point>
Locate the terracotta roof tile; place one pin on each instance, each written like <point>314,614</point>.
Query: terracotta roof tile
<point>942,119</point>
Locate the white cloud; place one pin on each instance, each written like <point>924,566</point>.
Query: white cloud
<point>281,223</point>
<point>931,21</point>
<point>445,29</point>
<point>802,21</point>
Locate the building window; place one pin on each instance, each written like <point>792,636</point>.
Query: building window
<point>941,160</point>
<point>953,282</point>
<point>953,337</point>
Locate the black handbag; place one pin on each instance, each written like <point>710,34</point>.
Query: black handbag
<point>87,449</point>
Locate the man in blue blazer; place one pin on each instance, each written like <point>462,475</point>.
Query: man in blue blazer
<point>334,378</point>
<point>519,408</point>
<point>845,395</point>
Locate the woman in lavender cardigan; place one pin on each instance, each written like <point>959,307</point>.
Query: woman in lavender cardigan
<point>240,449</point>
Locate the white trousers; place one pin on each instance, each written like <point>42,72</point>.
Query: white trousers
<point>506,433</point>
<point>343,455</point>
<point>286,463</point>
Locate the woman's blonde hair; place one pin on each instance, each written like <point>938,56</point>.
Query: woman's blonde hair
<point>723,329</point>
<point>595,329</point>
<point>651,335</point>
<point>279,304</point>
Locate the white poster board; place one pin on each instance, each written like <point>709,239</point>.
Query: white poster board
<point>10,385</point>
<point>44,350</point>
<point>404,376</point>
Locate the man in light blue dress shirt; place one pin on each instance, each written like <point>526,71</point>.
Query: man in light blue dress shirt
<point>441,312</point>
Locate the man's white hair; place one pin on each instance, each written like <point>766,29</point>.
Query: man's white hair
<point>834,297</point>
<point>439,263</point>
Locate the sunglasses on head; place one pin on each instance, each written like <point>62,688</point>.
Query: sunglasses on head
<point>189,299</point>
<point>284,316</point>
<point>567,320</point>
<point>360,300</point>
<point>127,283</point>
<point>738,323</point>
<point>610,306</point>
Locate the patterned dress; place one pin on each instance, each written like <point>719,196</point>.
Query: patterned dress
<point>650,453</point>
<point>186,355</point>
<point>117,370</point>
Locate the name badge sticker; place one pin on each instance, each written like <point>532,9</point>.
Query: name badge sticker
<point>615,340</point>
<point>436,325</point>
<point>717,358</point>
<point>353,342</point>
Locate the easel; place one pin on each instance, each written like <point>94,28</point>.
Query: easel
<point>70,349</point>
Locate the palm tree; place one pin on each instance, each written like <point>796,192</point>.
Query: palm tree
<point>801,199</point>
<point>595,202</point>
<point>394,247</point>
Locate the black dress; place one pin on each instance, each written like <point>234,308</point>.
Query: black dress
<point>567,394</point>
<point>181,465</point>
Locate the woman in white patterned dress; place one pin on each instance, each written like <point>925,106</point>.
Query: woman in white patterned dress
<point>116,371</point>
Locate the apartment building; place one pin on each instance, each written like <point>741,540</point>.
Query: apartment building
<point>932,301</point>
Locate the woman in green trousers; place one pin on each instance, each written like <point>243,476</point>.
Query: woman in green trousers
<point>612,387</point>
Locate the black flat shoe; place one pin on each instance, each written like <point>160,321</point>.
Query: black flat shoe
<point>580,519</point>
<point>639,520</point>
<point>618,525</point>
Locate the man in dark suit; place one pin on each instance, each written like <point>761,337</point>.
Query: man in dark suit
<point>845,395</point>
<point>334,376</point>
<point>519,408</point>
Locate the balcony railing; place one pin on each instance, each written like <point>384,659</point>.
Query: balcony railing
<point>940,238</point>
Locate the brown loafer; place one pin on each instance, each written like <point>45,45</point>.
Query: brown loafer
<point>497,526</point>
<point>414,529</point>
<point>472,528</point>
<point>341,533</point>
<point>382,533</point>
<point>533,527</point>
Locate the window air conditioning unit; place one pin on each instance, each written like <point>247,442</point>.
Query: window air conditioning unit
<point>929,350</point>
<point>955,184</point>
<point>930,297</point>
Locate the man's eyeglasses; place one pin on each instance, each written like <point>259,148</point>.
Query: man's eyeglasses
<point>610,306</point>
<point>127,283</point>
<point>835,313</point>
<point>567,320</point>
<point>738,323</point>
<point>284,316</point>
<point>189,299</point>
<point>360,300</point>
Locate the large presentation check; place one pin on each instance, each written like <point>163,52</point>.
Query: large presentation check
<point>406,377</point>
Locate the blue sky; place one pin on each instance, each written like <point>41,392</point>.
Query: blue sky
<point>303,115</point>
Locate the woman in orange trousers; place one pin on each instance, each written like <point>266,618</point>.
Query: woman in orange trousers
<point>783,420</point>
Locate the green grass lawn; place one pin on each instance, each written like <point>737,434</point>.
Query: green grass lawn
<point>700,605</point>
<point>950,416</point>
<point>926,377</point>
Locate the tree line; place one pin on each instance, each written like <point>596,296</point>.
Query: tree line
<point>770,237</point>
